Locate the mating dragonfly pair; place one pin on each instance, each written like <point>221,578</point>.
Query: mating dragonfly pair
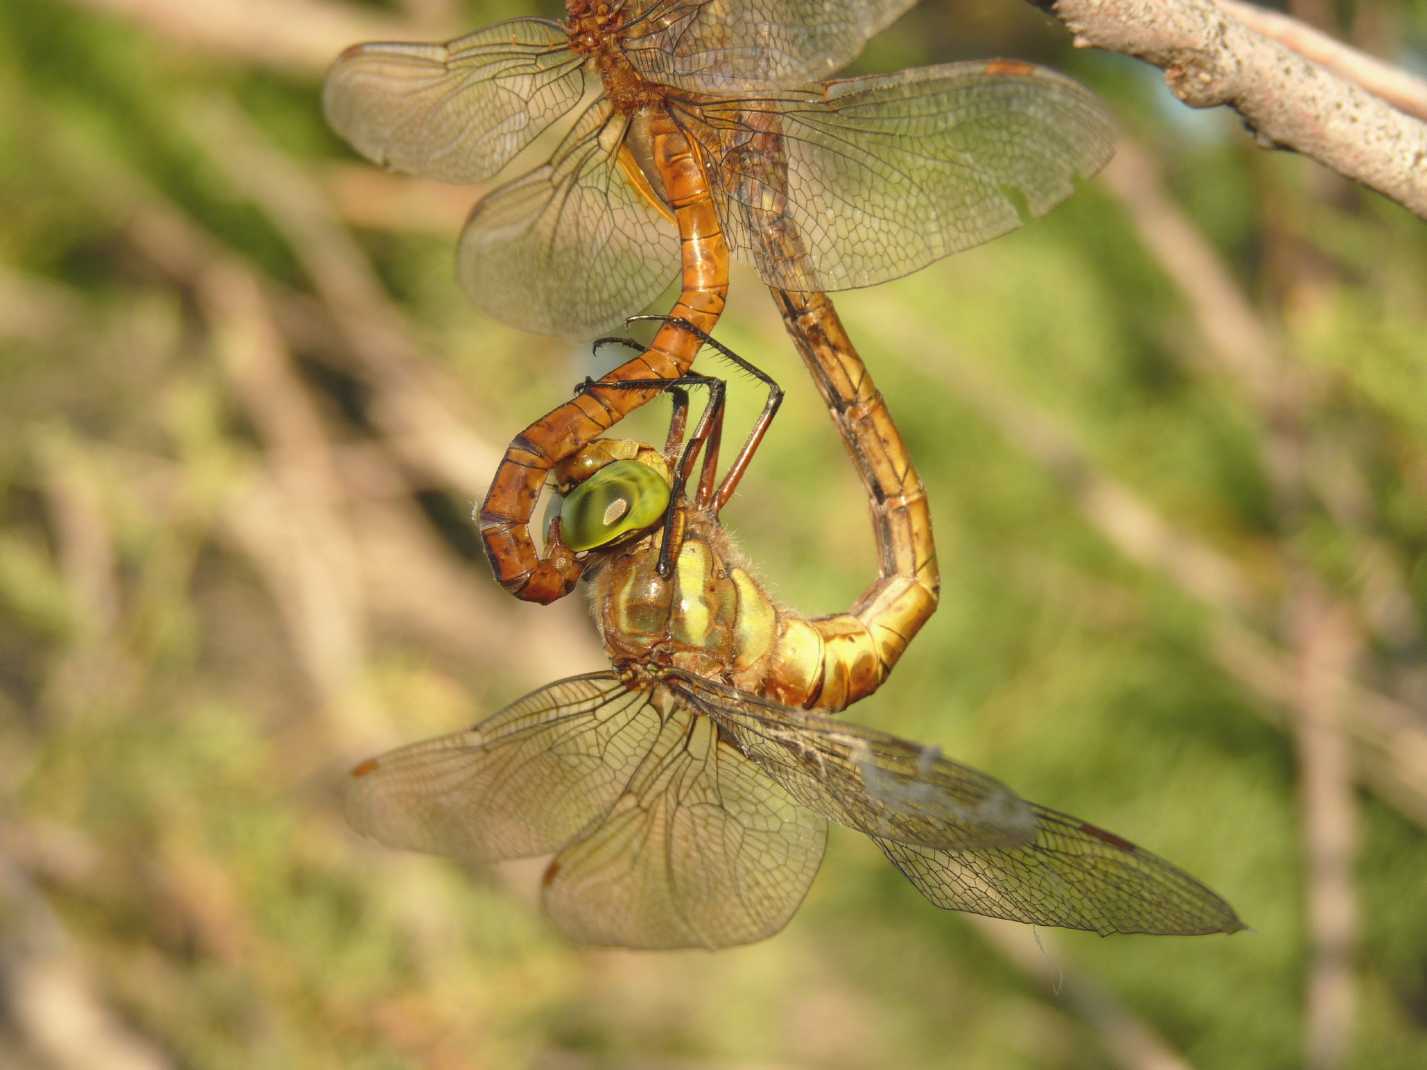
<point>685,793</point>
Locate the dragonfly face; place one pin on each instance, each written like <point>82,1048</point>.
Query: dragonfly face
<point>620,500</point>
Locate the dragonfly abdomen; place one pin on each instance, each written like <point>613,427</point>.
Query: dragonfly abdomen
<point>505,514</point>
<point>862,646</point>
<point>703,249</point>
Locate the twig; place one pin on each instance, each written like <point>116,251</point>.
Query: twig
<point>1210,58</point>
<point>289,34</point>
<point>367,197</point>
<point>1327,644</point>
<point>1403,91</point>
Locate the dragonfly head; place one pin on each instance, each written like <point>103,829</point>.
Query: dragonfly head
<point>612,489</point>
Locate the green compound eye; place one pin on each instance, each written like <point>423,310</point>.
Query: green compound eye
<point>621,497</point>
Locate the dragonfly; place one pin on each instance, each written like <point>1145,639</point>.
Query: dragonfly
<point>685,793</point>
<point>664,116</point>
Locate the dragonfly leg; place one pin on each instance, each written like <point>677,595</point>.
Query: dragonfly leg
<point>678,419</point>
<point>760,427</point>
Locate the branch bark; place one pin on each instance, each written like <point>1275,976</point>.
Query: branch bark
<point>1403,91</point>
<point>1210,58</point>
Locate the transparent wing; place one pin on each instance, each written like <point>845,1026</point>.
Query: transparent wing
<point>571,247</point>
<point>999,855</point>
<point>523,782</point>
<point>1072,874</point>
<point>458,111</point>
<point>701,850</point>
<point>728,45</point>
<point>868,780</point>
<point>864,180</point>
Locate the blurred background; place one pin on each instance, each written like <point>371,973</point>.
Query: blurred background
<point>1175,437</point>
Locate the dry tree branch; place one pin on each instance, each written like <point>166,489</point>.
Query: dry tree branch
<point>1210,57</point>
<point>1403,91</point>
<point>1327,644</point>
<point>385,200</point>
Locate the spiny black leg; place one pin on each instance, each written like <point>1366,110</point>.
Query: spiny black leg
<point>709,340</point>
<point>707,433</point>
<point>744,457</point>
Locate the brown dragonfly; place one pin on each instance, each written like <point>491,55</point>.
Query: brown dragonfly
<point>664,115</point>
<point>685,793</point>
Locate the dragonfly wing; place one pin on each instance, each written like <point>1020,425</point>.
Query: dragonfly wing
<point>1073,875</point>
<point>724,45</point>
<point>966,841</point>
<point>571,247</point>
<point>700,850</point>
<point>865,779</point>
<point>458,111</point>
<point>523,782</point>
<point>865,180</point>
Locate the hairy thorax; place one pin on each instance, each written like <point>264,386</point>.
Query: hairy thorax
<point>710,617</point>
<point>597,30</point>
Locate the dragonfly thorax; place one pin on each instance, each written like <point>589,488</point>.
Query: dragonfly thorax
<point>597,30</point>
<point>710,616</point>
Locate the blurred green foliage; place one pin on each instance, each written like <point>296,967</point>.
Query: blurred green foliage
<point>228,567</point>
